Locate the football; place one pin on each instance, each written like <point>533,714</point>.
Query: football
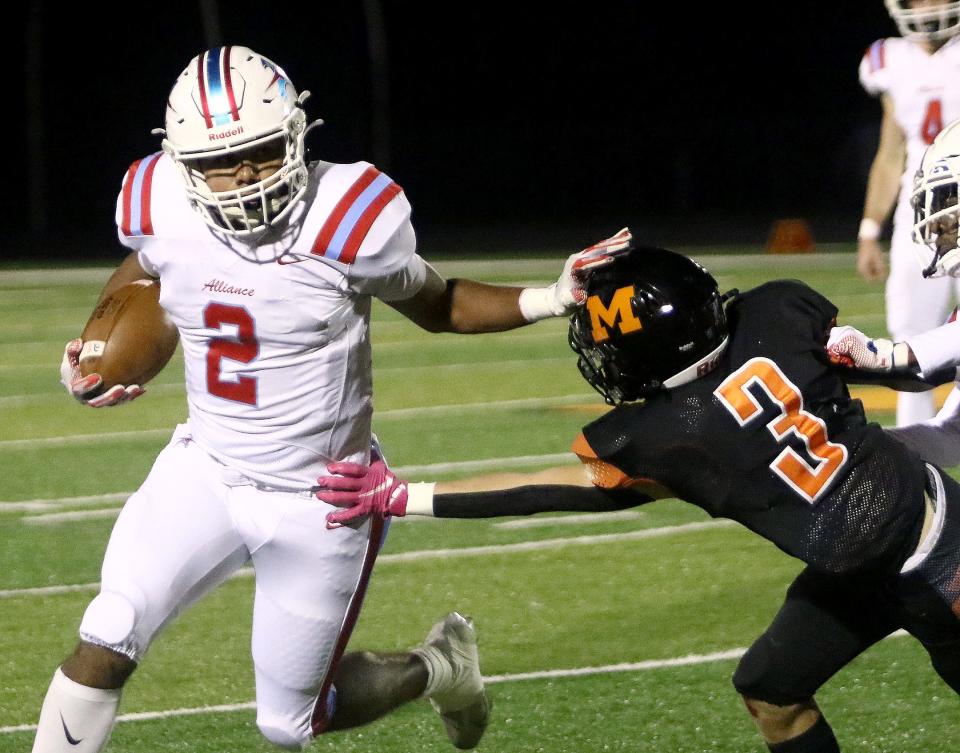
<point>129,338</point>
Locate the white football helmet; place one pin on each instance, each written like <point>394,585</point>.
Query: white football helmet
<point>230,99</point>
<point>935,209</point>
<point>921,20</point>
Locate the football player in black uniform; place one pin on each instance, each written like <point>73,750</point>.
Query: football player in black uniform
<point>731,403</point>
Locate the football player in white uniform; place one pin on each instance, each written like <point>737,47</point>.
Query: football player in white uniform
<point>267,266</point>
<point>915,76</point>
<point>936,352</point>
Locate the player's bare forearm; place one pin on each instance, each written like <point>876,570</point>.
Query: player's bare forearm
<point>529,500</point>
<point>478,307</point>
<point>883,183</point>
<point>128,271</point>
<point>464,306</point>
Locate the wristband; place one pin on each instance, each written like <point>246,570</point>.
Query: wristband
<point>869,230</point>
<point>420,499</point>
<point>900,356</point>
<point>537,303</point>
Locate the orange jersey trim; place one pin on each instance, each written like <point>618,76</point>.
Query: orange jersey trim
<point>606,475</point>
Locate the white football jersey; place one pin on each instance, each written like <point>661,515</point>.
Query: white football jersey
<point>275,337</point>
<point>925,90</point>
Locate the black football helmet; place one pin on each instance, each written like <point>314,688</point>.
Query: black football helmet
<point>653,320</point>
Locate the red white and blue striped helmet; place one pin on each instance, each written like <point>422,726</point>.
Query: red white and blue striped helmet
<point>934,21</point>
<point>230,99</point>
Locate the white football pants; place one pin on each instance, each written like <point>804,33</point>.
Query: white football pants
<point>189,527</point>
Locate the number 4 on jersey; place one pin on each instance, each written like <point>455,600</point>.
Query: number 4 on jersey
<point>806,479</point>
<point>932,121</point>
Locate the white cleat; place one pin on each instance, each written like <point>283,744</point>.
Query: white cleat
<point>456,692</point>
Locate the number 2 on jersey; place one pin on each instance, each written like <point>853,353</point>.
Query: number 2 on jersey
<point>932,121</point>
<point>807,479</point>
<point>243,348</point>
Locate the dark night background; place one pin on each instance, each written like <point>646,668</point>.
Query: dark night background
<point>512,126</point>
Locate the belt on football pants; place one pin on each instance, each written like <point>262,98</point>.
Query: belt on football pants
<point>934,512</point>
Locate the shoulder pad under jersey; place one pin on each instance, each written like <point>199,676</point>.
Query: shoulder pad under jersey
<point>152,202</point>
<point>876,64</point>
<point>359,222</point>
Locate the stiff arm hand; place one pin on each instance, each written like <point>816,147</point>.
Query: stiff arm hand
<point>83,388</point>
<point>567,293</point>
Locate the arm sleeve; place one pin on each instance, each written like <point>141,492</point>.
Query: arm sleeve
<point>529,500</point>
<point>936,440</point>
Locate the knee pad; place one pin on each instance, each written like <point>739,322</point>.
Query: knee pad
<point>282,732</point>
<point>760,676</point>
<point>109,622</point>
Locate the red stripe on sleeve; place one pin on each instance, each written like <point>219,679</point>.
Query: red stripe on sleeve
<point>234,113</point>
<point>343,206</point>
<point>204,105</point>
<point>146,218</point>
<point>128,197</point>
<point>360,230</point>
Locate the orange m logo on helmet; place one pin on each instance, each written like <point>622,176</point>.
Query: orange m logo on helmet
<point>619,309</point>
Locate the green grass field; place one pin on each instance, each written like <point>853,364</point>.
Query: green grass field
<point>611,634</point>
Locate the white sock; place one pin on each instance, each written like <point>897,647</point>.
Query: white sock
<point>439,672</point>
<point>75,718</point>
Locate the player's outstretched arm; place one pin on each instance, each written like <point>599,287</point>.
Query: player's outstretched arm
<point>467,306</point>
<point>530,500</point>
<point>360,491</point>
<point>874,360</point>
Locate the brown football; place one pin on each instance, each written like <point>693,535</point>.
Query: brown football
<point>129,337</point>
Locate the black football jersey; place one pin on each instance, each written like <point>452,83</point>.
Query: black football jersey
<point>771,438</point>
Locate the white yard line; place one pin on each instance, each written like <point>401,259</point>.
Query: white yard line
<point>470,551</point>
<point>54,518</point>
<point>649,665</point>
<point>642,666</point>
<point>522,461</point>
<point>534,267</point>
<point>93,439</point>
<point>395,413</point>
<point>56,503</point>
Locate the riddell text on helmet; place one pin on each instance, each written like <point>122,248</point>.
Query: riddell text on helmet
<point>225,134</point>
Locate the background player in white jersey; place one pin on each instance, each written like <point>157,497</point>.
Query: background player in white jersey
<point>936,351</point>
<point>267,266</point>
<point>915,76</point>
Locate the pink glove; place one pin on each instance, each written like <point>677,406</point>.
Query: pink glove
<point>361,490</point>
<point>81,386</point>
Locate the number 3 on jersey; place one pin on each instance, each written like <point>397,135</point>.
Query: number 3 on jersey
<point>807,479</point>
<point>243,348</point>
